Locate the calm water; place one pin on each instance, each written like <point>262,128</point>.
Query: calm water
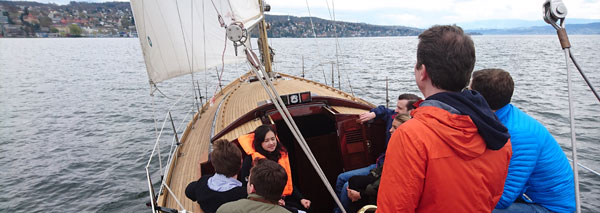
<point>76,117</point>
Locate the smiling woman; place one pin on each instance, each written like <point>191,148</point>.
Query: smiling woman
<point>264,144</point>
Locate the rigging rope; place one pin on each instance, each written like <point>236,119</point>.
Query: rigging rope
<point>338,49</point>
<point>288,119</point>
<point>190,62</point>
<point>315,39</point>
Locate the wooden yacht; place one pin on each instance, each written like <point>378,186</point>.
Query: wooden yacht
<point>325,116</point>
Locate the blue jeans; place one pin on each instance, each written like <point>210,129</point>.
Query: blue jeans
<point>342,183</point>
<point>523,208</point>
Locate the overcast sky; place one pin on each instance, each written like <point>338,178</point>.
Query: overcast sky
<point>424,13</point>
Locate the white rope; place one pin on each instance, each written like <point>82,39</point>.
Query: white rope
<point>174,197</point>
<point>288,119</point>
<point>587,168</point>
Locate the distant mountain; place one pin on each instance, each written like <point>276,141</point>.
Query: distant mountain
<point>300,27</point>
<point>516,23</point>
<point>582,29</point>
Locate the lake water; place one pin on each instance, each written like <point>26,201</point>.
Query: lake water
<point>76,117</point>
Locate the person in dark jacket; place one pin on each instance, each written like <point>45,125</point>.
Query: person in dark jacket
<point>266,182</point>
<point>362,189</point>
<point>403,105</point>
<point>387,115</point>
<point>211,191</point>
<point>538,168</point>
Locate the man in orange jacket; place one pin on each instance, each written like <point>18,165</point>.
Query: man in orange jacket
<point>454,154</point>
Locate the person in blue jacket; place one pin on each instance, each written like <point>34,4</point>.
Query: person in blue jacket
<point>540,177</point>
<point>387,115</point>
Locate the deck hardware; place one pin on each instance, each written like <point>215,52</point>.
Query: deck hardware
<point>237,34</point>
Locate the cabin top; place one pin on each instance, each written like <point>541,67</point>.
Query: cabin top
<point>245,100</point>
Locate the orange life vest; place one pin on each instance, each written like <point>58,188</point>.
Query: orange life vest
<point>246,143</point>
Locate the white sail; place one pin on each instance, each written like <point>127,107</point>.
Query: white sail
<point>180,35</point>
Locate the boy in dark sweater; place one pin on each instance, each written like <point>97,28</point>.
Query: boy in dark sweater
<point>211,191</point>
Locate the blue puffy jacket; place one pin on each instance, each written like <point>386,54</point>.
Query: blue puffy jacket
<point>538,167</point>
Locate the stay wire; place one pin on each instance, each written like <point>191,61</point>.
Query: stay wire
<point>315,39</point>
<point>583,75</point>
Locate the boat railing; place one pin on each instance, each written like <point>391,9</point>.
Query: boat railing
<point>164,169</point>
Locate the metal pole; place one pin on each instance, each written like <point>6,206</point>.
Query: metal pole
<point>339,78</point>
<point>332,78</point>
<point>200,95</point>
<point>387,98</point>
<point>174,130</point>
<point>573,137</point>
<point>302,66</point>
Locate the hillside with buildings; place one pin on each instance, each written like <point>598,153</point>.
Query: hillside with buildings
<point>77,19</point>
<point>115,19</point>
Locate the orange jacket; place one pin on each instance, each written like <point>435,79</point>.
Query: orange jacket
<point>246,143</point>
<point>438,162</point>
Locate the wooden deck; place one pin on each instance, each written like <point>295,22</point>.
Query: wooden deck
<point>235,100</point>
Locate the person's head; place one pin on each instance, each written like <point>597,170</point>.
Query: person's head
<point>495,85</point>
<point>411,105</point>
<point>403,100</point>
<point>399,119</point>
<point>445,59</point>
<point>267,179</point>
<point>226,158</point>
<point>265,142</point>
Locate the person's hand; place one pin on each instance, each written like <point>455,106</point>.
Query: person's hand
<point>353,195</point>
<point>367,116</point>
<point>305,203</point>
<point>281,202</point>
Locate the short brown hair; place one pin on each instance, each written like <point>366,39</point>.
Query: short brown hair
<point>226,158</point>
<point>449,56</point>
<point>408,96</point>
<point>495,85</point>
<point>269,179</point>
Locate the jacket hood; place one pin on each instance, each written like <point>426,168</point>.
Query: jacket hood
<point>472,104</point>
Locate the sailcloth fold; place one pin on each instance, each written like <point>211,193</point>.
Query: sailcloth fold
<point>183,36</point>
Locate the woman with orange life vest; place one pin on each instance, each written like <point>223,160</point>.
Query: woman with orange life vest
<point>263,143</point>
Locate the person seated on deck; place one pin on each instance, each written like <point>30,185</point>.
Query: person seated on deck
<point>362,189</point>
<point>538,167</point>
<point>386,114</point>
<point>263,143</point>
<point>211,191</point>
<point>380,112</point>
<point>266,182</point>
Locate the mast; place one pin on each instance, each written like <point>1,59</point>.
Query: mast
<point>262,29</point>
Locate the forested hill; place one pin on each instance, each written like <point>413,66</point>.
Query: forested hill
<point>300,27</point>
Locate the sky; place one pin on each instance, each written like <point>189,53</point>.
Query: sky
<point>425,13</point>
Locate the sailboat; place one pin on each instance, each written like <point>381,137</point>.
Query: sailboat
<point>316,122</point>
<point>185,36</point>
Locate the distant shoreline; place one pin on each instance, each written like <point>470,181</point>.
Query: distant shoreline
<point>20,19</point>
